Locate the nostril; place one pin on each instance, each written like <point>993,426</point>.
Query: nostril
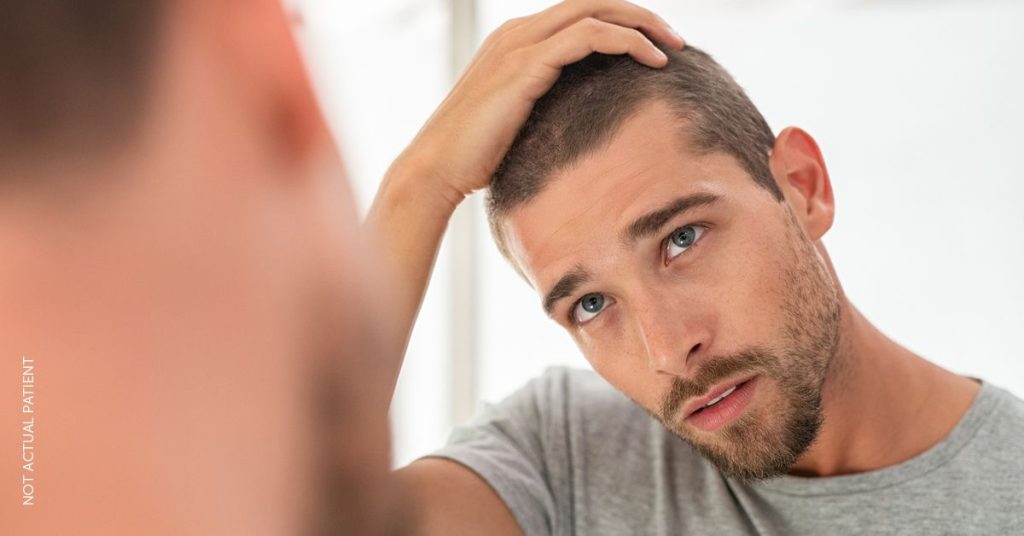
<point>694,350</point>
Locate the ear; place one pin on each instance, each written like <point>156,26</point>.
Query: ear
<point>259,36</point>
<point>800,172</point>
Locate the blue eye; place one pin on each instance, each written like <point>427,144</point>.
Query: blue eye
<point>589,306</point>
<point>681,239</point>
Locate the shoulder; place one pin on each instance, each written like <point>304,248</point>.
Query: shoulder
<point>549,443</point>
<point>560,416</point>
<point>1008,412</point>
<point>548,403</point>
<point>999,440</point>
<point>1006,408</point>
<point>559,386</point>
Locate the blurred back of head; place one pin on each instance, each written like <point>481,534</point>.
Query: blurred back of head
<point>74,73</point>
<point>183,274</point>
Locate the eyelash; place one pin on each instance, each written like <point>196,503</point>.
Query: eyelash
<point>663,248</point>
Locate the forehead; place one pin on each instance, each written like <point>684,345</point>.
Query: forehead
<point>577,218</point>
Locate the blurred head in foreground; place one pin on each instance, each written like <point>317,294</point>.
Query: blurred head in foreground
<point>183,276</point>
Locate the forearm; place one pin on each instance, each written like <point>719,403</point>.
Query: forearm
<point>405,224</point>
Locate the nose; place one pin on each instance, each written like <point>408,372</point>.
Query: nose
<point>672,337</point>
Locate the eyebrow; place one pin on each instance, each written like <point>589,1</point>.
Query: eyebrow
<point>651,222</point>
<point>642,227</point>
<point>565,287</point>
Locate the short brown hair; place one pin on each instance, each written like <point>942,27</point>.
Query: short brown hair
<point>593,97</point>
<point>72,72</point>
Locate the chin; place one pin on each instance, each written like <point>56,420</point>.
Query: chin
<point>762,443</point>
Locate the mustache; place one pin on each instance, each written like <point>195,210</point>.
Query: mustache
<point>713,371</point>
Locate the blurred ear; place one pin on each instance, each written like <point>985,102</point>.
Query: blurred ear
<point>800,171</point>
<point>261,46</point>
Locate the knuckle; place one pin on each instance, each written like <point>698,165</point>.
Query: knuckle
<point>500,37</point>
<point>500,31</point>
<point>604,7</point>
<point>591,26</point>
<point>508,25</point>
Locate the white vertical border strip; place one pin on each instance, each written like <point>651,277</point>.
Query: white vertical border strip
<point>464,255</point>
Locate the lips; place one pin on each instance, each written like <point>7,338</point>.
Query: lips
<point>716,393</point>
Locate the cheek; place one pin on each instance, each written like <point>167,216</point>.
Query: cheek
<point>749,286</point>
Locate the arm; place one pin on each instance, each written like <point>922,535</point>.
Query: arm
<point>464,141</point>
<point>454,155</point>
<point>448,498</point>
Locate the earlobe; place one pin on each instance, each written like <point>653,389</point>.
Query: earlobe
<point>800,171</point>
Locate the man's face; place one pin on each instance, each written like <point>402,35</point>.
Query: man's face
<point>679,279</point>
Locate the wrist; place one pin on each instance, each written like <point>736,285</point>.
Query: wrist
<point>420,178</point>
<point>414,186</point>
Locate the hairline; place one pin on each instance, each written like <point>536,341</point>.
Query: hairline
<point>688,118</point>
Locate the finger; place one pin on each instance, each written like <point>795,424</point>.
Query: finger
<point>592,35</point>
<point>547,23</point>
<point>504,29</point>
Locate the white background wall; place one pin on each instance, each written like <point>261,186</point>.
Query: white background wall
<point>917,106</point>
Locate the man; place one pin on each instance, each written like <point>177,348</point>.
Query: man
<point>678,241</point>
<point>185,300</point>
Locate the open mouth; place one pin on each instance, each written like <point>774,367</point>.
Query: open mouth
<point>720,397</point>
<point>725,407</point>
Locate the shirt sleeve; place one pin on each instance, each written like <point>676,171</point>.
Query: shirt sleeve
<point>505,445</point>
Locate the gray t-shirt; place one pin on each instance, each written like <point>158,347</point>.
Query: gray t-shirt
<point>570,455</point>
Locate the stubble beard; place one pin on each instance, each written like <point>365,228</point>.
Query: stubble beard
<point>766,441</point>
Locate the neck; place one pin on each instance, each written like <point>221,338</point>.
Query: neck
<point>875,386</point>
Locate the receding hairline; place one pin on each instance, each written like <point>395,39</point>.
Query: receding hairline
<point>684,136</point>
<point>684,121</point>
<point>586,107</point>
